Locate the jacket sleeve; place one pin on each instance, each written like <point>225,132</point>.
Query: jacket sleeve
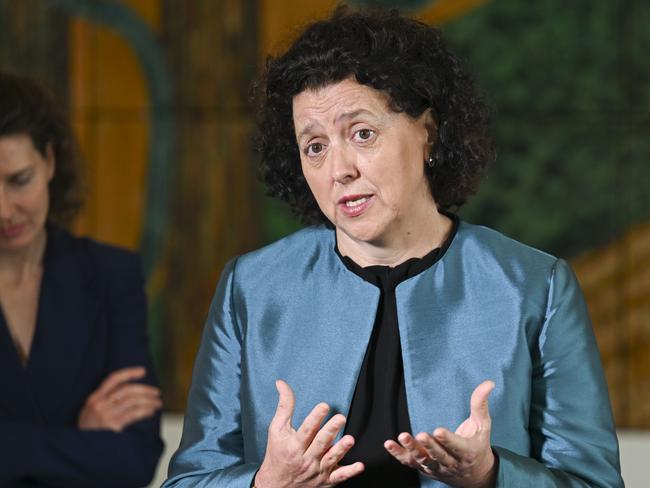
<point>573,441</point>
<point>211,451</point>
<point>67,456</point>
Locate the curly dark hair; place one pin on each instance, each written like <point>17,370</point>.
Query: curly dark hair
<point>408,61</point>
<point>27,108</point>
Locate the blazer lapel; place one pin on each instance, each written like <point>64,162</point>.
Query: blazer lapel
<point>434,315</point>
<point>68,308</point>
<point>16,401</point>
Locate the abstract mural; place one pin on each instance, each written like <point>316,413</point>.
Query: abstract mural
<point>158,92</point>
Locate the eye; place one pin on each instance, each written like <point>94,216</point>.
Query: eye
<point>364,134</point>
<point>21,179</point>
<point>314,149</point>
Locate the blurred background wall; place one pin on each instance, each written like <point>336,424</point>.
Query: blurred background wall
<point>157,91</point>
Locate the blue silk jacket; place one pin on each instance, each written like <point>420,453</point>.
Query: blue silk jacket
<point>490,308</point>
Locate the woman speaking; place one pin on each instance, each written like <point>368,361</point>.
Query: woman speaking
<point>387,324</point>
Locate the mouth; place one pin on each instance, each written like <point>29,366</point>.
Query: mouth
<point>355,205</point>
<point>355,202</point>
<point>10,231</point>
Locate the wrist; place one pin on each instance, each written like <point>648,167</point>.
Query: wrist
<point>264,479</point>
<point>489,480</point>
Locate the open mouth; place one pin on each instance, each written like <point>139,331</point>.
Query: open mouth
<point>354,205</point>
<point>357,202</point>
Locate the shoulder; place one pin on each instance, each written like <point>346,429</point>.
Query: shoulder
<point>490,241</point>
<point>89,255</point>
<point>487,248</point>
<point>307,248</point>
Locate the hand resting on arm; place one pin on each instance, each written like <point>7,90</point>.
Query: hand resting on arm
<point>119,402</point>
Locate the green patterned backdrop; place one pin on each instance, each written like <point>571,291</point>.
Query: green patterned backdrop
<point>570,85</point>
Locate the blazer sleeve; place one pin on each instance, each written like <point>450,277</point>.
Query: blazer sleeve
<point>573,440</point>
<point>211,451</point>
<point>68,456</point>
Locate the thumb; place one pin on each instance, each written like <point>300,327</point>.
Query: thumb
<point>479,410</point>
<point>286,402</point>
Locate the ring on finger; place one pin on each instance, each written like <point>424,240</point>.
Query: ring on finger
<point>429,465</point>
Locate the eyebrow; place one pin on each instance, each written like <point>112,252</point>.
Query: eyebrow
<point>306,130</point>
<point>346,115</point>
<point>353,114</point>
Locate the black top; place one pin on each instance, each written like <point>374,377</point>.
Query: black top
<point>379,410</point>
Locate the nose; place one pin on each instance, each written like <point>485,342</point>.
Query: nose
<point>5,206</point>
<point>344,165</point>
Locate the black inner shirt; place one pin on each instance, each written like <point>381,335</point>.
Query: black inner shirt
<point>379,410</point>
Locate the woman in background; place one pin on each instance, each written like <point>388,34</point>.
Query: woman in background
<point>391,319</point>
<point>78,401</point>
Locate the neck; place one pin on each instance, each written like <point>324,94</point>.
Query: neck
<point>413,241</point>
<point>22,264</point>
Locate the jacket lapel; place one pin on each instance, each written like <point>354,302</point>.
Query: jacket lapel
<point>68,307</point>
<point>435,315</point>
<point>16,401</point>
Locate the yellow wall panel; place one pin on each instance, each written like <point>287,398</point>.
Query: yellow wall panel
<point>281,21</point>
<point>109,106</point>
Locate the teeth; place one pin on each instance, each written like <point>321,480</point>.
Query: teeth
<point>354,203</point>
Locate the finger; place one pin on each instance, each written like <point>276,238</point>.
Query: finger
<point>453,444</point>
<point>435,451</point>
<point>339,475</point>
<point>311,425</point>
<point>420,457</point>
<point>334,455</point>
<point>479,410</point>
<point>398,452</point>
<point>325,436</point>
<point>286,403</point>
<point>128,390</point>
<point>134,415</point>
<point>135,402</point>
<point>118,377</point>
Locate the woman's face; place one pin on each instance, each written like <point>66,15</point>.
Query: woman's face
<point>363,162</point>
<point>24,193</point>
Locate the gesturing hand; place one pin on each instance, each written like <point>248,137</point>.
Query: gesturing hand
<point>118,403</point>
<point>304,457</point>
<point>464,459</point>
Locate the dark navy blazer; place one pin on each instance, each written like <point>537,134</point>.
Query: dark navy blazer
<point>91,321</point>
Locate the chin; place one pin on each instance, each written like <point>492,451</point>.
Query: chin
<point>12,246</point>
<point>363,231</point>
<point>17,243</point>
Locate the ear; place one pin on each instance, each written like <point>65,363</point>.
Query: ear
<point>50,160</point>
<point>432,131</point>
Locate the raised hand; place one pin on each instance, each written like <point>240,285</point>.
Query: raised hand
<point>118,402</point>
<point>463,459</point>
<point>305,457</point>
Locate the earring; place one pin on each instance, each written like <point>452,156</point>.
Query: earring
<point>430,161</point>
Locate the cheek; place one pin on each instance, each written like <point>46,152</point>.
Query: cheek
<point>315,181</point>
<point>37,201</point>
<point>402,185</point>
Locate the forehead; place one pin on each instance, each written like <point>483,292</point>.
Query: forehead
<point>17,150</point>
<point>329,103</point>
